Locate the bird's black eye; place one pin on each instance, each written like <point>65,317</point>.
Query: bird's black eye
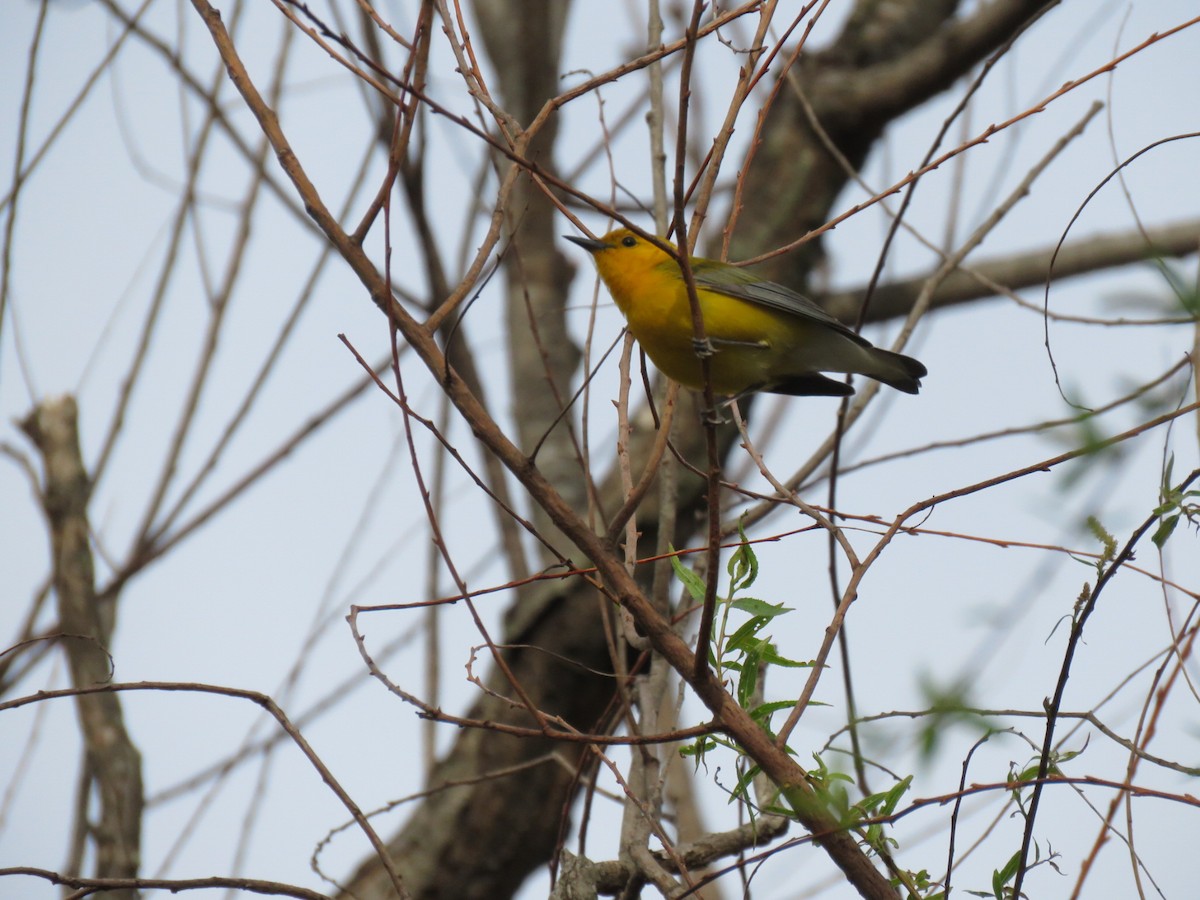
<point>629,241</point>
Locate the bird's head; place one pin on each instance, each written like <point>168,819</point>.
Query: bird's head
<point>622,255</point>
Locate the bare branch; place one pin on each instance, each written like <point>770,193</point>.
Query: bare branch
<point>112,758</point>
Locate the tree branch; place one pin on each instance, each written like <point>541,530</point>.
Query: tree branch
<point>112,758</point>
<point>1025,270</point>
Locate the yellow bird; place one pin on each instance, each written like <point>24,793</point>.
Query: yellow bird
<point>765,336</point>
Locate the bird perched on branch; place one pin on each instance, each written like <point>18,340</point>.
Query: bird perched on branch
<point>763,336</point>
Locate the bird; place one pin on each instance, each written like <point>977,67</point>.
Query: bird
<point>763,336</point>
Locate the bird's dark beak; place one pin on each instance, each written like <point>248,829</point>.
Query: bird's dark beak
<point>591,245</point>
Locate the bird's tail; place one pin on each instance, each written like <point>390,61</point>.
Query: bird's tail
<point>897,370</point>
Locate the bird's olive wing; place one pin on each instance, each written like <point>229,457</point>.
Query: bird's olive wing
<point>744,285</point>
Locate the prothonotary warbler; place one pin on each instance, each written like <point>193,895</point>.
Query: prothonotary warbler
<point>765,337</point>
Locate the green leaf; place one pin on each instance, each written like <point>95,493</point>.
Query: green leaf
<point>892,798</point>
<point>772,657</point>
<point>741,790</point>
<point>747,683</point>
<point>1167,526</point>
<point>763,712</point>
<point>1030,773</point>
<point>1001,877</point>
<point>743,565</point>
<point>745,636</point>
<point>693,582</point>
<point>698,748</point>
<point>760,608</point>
